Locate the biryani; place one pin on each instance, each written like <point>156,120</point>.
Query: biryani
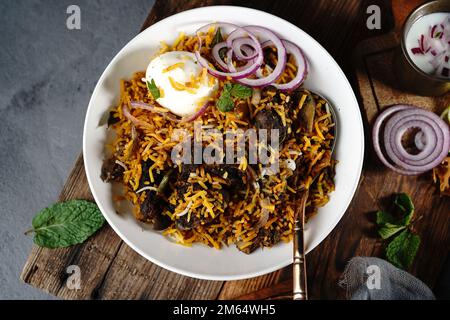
<point>222,88</point>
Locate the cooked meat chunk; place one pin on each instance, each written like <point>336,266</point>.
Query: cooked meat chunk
<point>145,176</point>
<point>265,238</point>
<point>111,171</point>
<point>152,206</point>
<point>269,119</point>
<point>182,222</point>
<point>152,211</point>
<point>161,222</point>
<point>231,174</point>
<point>186,170</point>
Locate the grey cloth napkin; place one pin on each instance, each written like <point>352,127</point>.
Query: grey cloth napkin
<point>368,278</point>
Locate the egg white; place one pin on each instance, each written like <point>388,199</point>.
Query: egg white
<point>180,102</point>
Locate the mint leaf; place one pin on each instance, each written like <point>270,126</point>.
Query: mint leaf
<point>227,87</point>
<point>225,103</point>
<point>403,249</point>
<point>217,38</point>
<point>67,223</point>
<point>151,85</point>
<point>384,217</point>
<point>388,230</point>
<point>404,203</point>
<point>240,91</point>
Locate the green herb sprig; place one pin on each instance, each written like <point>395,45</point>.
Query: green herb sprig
<point>230,91</point>
<point>403,247</point>
<point>66,223</point>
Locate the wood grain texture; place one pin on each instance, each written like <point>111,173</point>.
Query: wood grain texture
<point>379,89</point>
<point>111,270</point>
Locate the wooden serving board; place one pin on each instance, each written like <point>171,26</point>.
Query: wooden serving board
<point>112,270</point>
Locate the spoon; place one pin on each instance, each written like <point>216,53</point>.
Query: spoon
<point>300,287</point>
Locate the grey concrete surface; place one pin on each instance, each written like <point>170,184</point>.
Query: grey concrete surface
<point>47,74</point>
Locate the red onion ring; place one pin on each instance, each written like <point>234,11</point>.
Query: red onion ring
<point>426,147</point>
<point>400,156</point>
<point>302,67</point>
<point>281,57</point>
<point>418,140</point>
<point>397,120</point>
<point>301,62</point>
<point>231,67</point>
<point>233,74</point>
<point>216,55</point>
<point>241,46</point>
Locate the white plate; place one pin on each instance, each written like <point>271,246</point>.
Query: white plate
<point>200,261</point>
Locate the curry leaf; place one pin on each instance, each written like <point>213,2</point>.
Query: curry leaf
<point>67,223</point>
<point>403,249</point>
<point>151,85</point>
<point>217,38</point>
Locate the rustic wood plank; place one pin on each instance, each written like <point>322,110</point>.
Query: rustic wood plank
<point>132,277</point>
<point>46,268</point>
<point>234,289</point>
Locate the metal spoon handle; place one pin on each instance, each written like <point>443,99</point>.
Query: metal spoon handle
<point>300,290</point>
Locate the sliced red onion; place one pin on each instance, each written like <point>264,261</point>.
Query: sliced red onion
<point>302,68</point>
<point>151,108</point>
<point>281,57</point>
<point>132,118</point>
<point>244,49</point>
<point>433,139</point>
<point>301,62</point>
<point>216,54</point>
<point>423,161</point>
<point>243,44</point>
<point>445,115</point>
<point>233,74</point>
<point>435,45</point>
<point>232,68</point>
<point>420,140</point>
